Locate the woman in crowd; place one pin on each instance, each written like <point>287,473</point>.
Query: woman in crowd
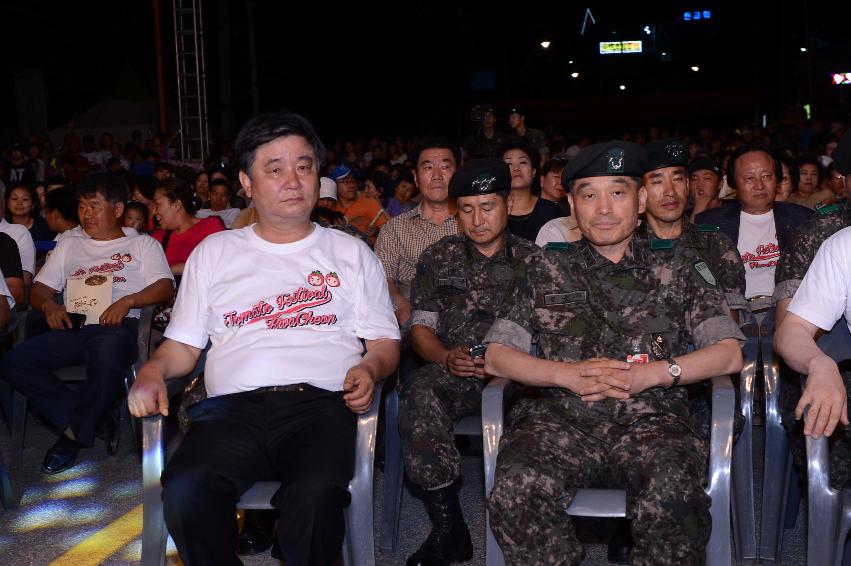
<point>180,230</point>
<point>527,211</point>
<point>788,181</point>
<point>201,183</point>
<point>808,192</point>
<point>551,188</point>
<point>143,191</point>
<point>22,207</point>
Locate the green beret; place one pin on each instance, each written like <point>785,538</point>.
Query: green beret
<point>666,153</point>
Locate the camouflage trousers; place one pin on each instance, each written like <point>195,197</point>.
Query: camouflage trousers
<point>430,402</point>
<point>554,446</point>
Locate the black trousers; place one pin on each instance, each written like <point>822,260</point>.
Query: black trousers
<point>304,439</point>
<point>107,352</point>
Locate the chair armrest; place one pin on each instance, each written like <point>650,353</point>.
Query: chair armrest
<point>721,436</point>
<point>143,341</point>
<point>494,397</point>
<point>365,447</point>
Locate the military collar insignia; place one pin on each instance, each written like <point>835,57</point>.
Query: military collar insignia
<point>615,160</point>
<point>660,244</point>
<point>561,246</point>
<point>708,228</point>
<point>559,299</point>
<point>828,209</point>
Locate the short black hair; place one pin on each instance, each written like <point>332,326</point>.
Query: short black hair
<point>266,128</point>
<point>434,142</point>
<point>220,183</point>
<point>138,207</point>
<point>146,185</point>
<point>30,189</point>
<point>176,189</point>
<point>810,160</point>
<point>794,174</point>
<point>750,148</point>
<point>111,187</point>
<point>64,201</point>
<point>554,165</point>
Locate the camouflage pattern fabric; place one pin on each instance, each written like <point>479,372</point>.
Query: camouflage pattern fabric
<point>430,403</point>
<point>579,305</point>
<point>456,293</point>
<point>557,445</point>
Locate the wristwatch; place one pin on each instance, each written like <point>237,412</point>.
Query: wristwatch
<point>675,370</point>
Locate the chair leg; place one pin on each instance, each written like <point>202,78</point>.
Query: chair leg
<point>6,491</point>
<point>744,517</point>
<point>393,473</point>
<point>154,534</point>
<point>19,425</point>
<point>843,528</point>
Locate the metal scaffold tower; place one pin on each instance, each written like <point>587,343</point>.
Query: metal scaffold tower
<point>194,135</point>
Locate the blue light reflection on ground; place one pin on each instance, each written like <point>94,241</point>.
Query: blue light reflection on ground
<point>57,514</point>
<point>79,487</point>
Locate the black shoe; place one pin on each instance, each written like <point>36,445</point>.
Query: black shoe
<point>61,456</point>
<point>107,429</point>
<point>620,545</point>
<point>258,532</point>
<point>449,540</point>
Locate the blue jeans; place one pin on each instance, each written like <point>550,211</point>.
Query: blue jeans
<point>107,351</point>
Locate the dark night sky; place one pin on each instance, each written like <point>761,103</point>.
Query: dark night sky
<point>373,68</point>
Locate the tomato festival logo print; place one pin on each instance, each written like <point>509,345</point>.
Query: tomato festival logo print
<point>291,309</point>
<point>117,264</point>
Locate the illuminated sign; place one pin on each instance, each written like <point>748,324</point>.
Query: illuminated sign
<point>842,78</point>
<point>609,47</point>
<point>697,15</point>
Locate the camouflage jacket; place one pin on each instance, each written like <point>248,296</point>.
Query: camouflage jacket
<point>647,307</point>
<point>805,243</point>
<point>457,290</point>
<point>707,242</point>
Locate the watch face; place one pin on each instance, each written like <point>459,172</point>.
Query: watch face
<point>675,370</point>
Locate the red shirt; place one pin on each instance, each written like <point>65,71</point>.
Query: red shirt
<point>181,245</point>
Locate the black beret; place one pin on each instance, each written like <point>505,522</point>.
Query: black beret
<point>666,153</point>
<point>704,163</point>
<point>480,177</point>
<point>614,158</point>
<point>842,155</point>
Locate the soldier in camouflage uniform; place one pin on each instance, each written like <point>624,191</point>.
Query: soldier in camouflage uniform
<point>460,284</point>
<point>613,318</point>
<point>790,272</point>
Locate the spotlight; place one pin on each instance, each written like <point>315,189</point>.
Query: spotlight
<point>545,44</point>
<point>575,75</point>
<point>695,68</point>
<point>622,87</point>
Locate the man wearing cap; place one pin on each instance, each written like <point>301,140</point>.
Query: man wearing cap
<point>761,227</point>
<point>612,318</point>
<point>704,184</point>
<point>461,283</point>
<point>536,138</point>
<point>485,141</point>
<point>363,213</point>
<point>810,313</point>
<point>667,228</point>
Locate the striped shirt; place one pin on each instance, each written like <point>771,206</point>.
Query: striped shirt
<point>403,239</point>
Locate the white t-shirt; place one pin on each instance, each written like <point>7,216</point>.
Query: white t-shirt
<point>562,229</point>
<point>823,297</point>
<point>279,314</point>
<point>134,261</point>
<point>79,232</point>
<point>760,252</point>
<point>4,290</point>
<point>227,215</point>
<point>26,246</point>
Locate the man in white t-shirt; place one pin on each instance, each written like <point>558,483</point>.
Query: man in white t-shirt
<point>289,308</point>
<point>823,297</point>
<point>761,227</point>
<point>7,306</point>
<point>140,277</point>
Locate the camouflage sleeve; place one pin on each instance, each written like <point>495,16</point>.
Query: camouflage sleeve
<point>514,321</point>
<point>795,261</point>
<point>706,308</point>
<point>731,270</point>
<point>425,299</point>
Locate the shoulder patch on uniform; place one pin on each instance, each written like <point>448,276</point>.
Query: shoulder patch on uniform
<point>708,228</point>
<point>829,209</point>
<point>660,244</point>
<point>562,246</point>
<point>703,270</point>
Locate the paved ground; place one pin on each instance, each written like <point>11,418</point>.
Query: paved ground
<point>91,514</point>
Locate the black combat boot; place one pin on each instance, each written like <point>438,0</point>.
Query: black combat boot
<point>449,540</point>
<point>620,545</point>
